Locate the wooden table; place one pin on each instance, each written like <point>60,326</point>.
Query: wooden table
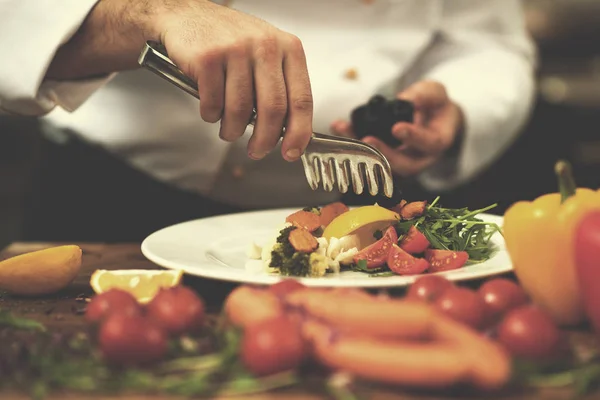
<point>63,312</point>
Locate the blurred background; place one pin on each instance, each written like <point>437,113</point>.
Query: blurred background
<point>565,124</point>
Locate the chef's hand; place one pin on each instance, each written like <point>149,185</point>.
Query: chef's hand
<point>239,61</point>
<point>438,125</point>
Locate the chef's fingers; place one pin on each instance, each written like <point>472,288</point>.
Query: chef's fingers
<point>342,128</point>
<point>271,99</point>
<point>425,95</point>
<point>402,163</point>
<point>427,141</point>
<point>299,99</point>
<point>211,86</point>
<point>239,98</point>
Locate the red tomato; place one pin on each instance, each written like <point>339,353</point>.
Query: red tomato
<point>177,310</point>
<point>414,242</point>
<point>587,265</point>
<point>272,346</point>
<point>501,295</point>
<point>110,302</point>
<point>402,263</point>
<point>527,332</point>
<point>131,340</point>
<point>445,260</point>
<point>376,254</point>
<point>428,287</point>
<point>286,286</point>
<point>463,305</point>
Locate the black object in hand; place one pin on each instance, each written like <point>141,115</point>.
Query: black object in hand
<point>377,117</point>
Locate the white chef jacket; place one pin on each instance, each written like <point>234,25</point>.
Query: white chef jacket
<point>479,49</point>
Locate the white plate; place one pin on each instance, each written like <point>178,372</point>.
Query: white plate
<point>216,248</point>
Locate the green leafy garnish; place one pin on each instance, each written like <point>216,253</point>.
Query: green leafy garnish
<point>456,229</point>
<point>7,319</point>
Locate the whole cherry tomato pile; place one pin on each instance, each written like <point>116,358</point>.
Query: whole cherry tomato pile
<point>132,334</point>
<point>502,309</point>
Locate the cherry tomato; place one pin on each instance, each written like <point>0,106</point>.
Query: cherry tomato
<point>376,253</point>
<point>527,332</point>
<point>463,305</point>
<point>428,287</point>
<point>286,286</point>
<point>501,295</point>
<point>131,340</point>
<point>272,346</point>
<point>177,310</point>
<point>402,263</point>
<point>414,242</point>
<point>110,302</point>
<point>445,260</point>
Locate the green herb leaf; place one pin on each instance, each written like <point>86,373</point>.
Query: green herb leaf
<point>7,319</point>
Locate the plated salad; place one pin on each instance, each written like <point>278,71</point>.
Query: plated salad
<point>406,239</point>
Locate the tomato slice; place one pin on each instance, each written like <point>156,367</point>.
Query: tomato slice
<point>445,260</point>
<point>376,254</point>
<point>402,263</point>
<point>414,242</point>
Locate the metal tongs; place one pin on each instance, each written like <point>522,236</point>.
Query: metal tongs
<point>327,159</point>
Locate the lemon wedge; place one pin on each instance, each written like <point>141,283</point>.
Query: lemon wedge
<point>143,284</point>
<point>361,221</point>
<point>41,272</point>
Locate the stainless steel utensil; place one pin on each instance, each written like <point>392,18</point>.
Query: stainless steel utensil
<point>328,159</point>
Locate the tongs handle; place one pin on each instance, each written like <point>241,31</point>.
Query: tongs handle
<point>154,58</point>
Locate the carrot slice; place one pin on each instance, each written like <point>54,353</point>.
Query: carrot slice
<point>304,219</point>
<point>303,241</point>
<point>331,211</point>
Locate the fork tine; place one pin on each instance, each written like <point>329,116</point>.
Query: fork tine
<point>357,179</point>
<point>326,174</point>
<point>310,173</point>
<point>372,179</point>
<point>316,168</point>
<point>342,176</point>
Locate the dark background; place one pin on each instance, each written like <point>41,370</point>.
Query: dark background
<point>565,124</point>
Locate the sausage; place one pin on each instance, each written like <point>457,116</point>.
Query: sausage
<point>331,211</point>
<point>303,241</point>
<point>246,305</point>
<point>428,364</point>
<point>304,219</point>
<point>366,314</point>
<point>413,209</point>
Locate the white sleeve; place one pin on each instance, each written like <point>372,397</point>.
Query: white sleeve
<point>486,60</point>
<point>31,31</point>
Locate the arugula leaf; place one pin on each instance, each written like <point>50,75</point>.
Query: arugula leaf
<point>7,319</point>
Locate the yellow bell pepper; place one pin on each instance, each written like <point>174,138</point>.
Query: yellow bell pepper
<point>539,240</point>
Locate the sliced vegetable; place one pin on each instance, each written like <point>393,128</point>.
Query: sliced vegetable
<point>303,241</point>
<point>414,242</point>
<point>445,260</point>
<point>413,209</point>
<point>331,211</point>
<point>305,219</point>
<point>402,263</point>
<point>376,254</point>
